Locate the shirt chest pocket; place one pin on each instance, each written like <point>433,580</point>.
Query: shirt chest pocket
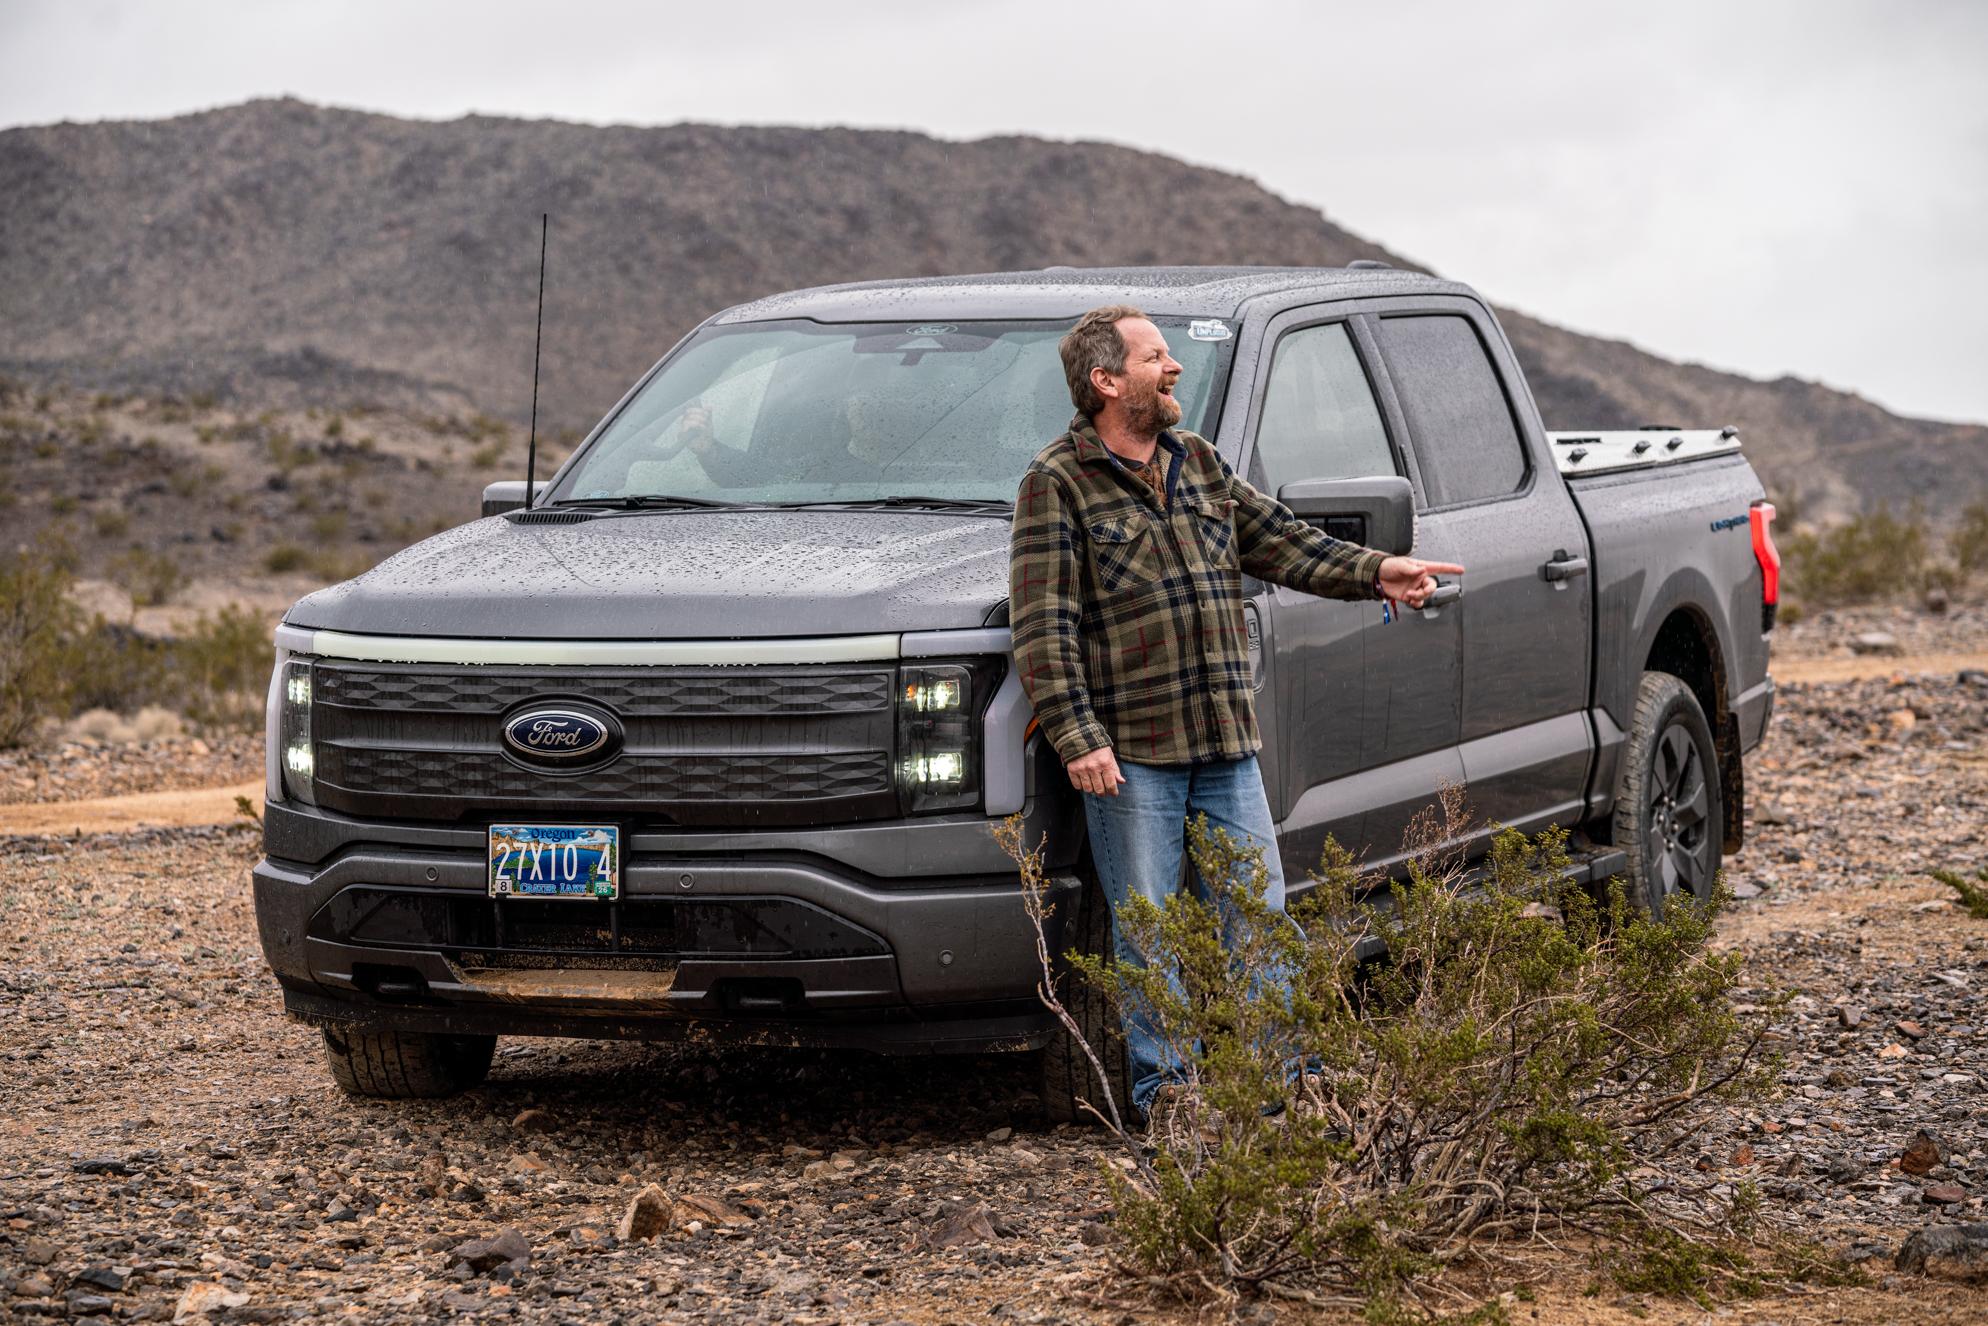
<point>1123,555</point>
<point>1214,520</point>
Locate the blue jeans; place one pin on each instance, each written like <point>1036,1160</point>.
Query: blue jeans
<point>1138,840</point>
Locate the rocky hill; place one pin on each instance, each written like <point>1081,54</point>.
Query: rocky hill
<point>278,253</point>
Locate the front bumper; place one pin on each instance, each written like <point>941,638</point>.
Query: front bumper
<point>778,938</point>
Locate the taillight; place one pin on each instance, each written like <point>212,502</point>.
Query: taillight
<point>1761,517</point>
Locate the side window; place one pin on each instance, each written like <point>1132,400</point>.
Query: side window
<point>1319,417</point>
<point>1458,418</point>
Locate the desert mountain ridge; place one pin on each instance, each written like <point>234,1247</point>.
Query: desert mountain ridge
<point>299,255</point>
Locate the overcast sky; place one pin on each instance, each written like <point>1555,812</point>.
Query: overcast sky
<point>1782,187</point>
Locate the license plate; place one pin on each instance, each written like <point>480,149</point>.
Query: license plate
<point>555,861</point>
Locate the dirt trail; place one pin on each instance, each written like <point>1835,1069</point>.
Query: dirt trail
<point>176,809</point>
<point>1862,668</point>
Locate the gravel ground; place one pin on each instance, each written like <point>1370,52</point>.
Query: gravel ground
<point>1963,627</point>
<point>163,1129</point>
<point>63,770</point>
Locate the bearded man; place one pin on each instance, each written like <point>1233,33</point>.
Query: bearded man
<point>1130,542</point>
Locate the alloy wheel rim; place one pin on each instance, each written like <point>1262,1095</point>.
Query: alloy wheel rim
<point>1679,815</point>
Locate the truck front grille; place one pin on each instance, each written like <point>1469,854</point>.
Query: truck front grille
<point>701,746</point>
<point>770,777</point>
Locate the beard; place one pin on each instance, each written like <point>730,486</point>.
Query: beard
<point>1152,413</point>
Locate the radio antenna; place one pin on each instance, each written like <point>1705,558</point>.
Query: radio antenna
<point>538,339</point>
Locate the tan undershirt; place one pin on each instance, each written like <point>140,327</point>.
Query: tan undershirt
<point>1154,472</point>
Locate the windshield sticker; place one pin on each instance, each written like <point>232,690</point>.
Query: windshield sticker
<point>1208,329</point>
<point>931,329</point>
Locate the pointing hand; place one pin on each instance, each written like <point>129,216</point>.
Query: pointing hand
<point>1411,581</point>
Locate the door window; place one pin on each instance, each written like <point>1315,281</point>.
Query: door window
<point>1458,418</point>
<point>1319,416</point>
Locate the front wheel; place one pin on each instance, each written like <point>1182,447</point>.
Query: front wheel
<point>406,1065</point>
<point>1069,1080</point>
<point>1669,807</point>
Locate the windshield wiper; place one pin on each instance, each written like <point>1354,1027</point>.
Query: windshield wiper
<point>644,502</point>
<point>982,505</point>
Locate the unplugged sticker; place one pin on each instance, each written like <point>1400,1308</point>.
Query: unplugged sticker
<point>1208,329</point>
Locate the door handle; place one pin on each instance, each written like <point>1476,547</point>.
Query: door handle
<point>1563,567</point>
<point>1443,593</point>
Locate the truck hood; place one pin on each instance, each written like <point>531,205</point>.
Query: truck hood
<point>680,575</point>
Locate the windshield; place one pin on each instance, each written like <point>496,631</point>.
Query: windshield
<point>806,412</point>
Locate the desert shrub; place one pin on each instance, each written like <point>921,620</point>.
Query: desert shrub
<point>38,625</point>
<point>1520,1048</point>
<point>151,578</point>
<point>488,456</point>
<point>149,724</point>
<point>328,526</point>
<point>111,523</point>
<point>284,557</point>
<point>1874,556</point>
<point>286,453</point>
<point>116,668</point>
<point>332,565</point>
<point>1971,896</point>
<point>1968,543</point>
<point>223,661</point>
<point>185,480</point>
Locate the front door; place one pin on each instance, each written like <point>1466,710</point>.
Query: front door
<point>1318,417</point>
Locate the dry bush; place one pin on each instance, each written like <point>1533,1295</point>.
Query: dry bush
<point>149,724</point>
<point>284,557</point>
<point>151,578</point>
<point>223,664</point>
<point>1348,1128</point>
<point>1873,557</point>
<point>1969,541</point>
<point>38,625</point>
<point>216,673</point>
<point>1972,896</point>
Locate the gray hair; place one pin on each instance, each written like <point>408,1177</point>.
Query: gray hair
<point>1094,342</point>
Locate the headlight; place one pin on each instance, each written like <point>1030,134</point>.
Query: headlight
<point>296,756</point>
<point>938,733</point>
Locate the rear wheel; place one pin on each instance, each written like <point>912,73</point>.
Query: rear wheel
<point>406,1065</point>
<point>1068,1077</point>
<point>1669,806</point>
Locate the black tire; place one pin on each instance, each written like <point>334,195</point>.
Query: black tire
<point>406,1065</point>
<point>1068,1077</point>
<point>1669,806</point>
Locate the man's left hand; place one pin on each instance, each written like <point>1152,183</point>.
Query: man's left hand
<point>1410,581</point>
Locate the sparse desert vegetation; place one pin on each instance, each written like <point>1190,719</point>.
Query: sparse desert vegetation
<point>163,535</point>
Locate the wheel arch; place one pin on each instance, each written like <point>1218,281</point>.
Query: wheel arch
<point>1687,646</point>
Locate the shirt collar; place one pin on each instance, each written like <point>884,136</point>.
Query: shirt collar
<point>1090,446</point>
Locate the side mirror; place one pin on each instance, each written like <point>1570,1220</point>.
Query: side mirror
<point>509,495</point>
<point>1375,513</point>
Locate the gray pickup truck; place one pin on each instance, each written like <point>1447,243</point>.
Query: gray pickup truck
<point>707,739</point>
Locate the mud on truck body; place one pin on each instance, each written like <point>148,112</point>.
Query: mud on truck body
<point>708,740</point>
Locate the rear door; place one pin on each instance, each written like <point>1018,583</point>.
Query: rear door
<point>1485,479</point>
<point>1348,759</point>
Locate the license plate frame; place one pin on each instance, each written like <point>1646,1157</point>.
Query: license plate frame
<point>556,873</point>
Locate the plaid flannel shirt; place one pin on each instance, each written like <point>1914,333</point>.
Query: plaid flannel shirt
<point>1127,614</point>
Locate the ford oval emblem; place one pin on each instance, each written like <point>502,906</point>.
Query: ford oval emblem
<point>557,735</point>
